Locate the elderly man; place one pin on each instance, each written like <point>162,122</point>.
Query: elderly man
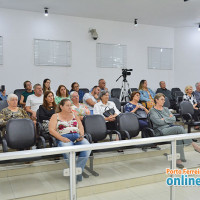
<point>164,90</point>
<point>34,101</point>
<point>79,108</point>
<point>102,85</point>
<point>197,92</point>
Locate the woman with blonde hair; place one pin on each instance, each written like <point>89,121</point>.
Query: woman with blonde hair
<point>189,96</point>
<point>146,95</point>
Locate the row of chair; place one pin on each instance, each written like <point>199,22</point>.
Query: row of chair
<point>20,133</point>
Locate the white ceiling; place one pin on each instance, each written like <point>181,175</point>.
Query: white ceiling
<point>171,13</point>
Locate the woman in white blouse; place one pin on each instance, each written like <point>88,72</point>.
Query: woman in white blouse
<point>104,105</point>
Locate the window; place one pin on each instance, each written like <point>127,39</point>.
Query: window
<point>52,52</point>
<point>160,58</point>
<point>111,55</point>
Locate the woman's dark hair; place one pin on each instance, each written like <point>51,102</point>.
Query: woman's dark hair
<point>45,103</point>
<point>44,87</point>
<point>72,85</point>
<point>157,96</point>
<point>26,83</point>
<point>62,103</point>
<point>133,94</point>
<point>141,84</point>
<point>58,91</point>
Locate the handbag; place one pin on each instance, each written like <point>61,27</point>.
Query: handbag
<point>141,114</point>
<point>109,112</point>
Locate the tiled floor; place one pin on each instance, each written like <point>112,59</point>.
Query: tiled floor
<point>52,183</point>
<point>155,191</point>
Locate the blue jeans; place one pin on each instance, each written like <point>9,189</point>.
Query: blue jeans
<point>83,155</point>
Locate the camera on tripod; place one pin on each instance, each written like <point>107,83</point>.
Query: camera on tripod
<point>125,85</point>
<point>126,72</point>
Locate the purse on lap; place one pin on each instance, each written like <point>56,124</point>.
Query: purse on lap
<point>109,112</point>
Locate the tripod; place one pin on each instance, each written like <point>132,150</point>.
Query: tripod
<point>124,89</point>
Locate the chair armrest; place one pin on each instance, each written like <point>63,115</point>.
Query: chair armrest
<point>42,142</point>
<point>148,132</point>
<point>52,140</point>
<point>127,134</point>
<point>110,132</point>
<point>190,118</point>
<point>88,137</point>
<point>4,145</point>
<point>38,128</point>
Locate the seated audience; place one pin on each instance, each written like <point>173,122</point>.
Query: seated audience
<point>34,101</point>
<point>79,109</point>
<point>3,95</point>
<point>197,92</point>
<point>25,94</point>
<point>90,99</point>
<point>133,106</point>
<point>75,87</point>
<point>102,85</point>
<point>11,112</point>
<point>46,86</point>
<point>163,120</point>
<point>104,105</point>
<point>67,128</point>
<point>189,96</point>
<point>164,90</point>
<point>47,109</point>
<point>146,95</point>
<point>61,93</point>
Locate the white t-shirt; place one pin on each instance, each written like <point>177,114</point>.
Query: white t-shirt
<point>100,108</point>
<point>88,96</point>
<point>34,102</point>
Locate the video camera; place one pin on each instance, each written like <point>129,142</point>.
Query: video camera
<point>126,72</point>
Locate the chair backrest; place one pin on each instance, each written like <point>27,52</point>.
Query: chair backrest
<point>128,122</point>
<point>186,107</point>
<point>115,93</point>
<point>167,102</point>
<point>130,90</point>
<point>20,133</point>
<point>178,94</point>
<point>19,92</point>
<point>95,125</point>
<point>117,103</point>
<point>85,90</point>
<point>3,104</point>
<point>174,90</point>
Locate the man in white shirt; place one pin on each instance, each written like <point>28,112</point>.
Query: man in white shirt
<point>34,101</point>
<point>90,99</point>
